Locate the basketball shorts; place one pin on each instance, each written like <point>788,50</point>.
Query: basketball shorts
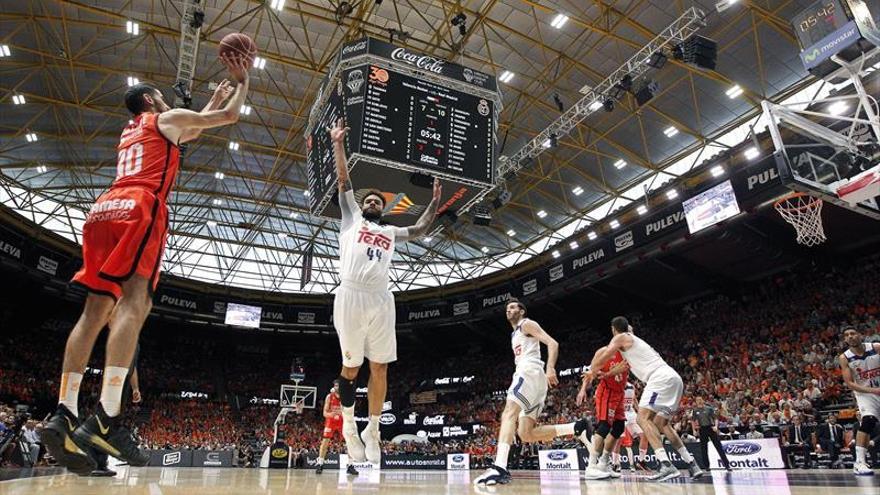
<point>365,320</point>
<point>124,235</point>
<point>868,404</point>
<point>529,391</point>
<point>662,393</point>
<point>609,405</point>
<point>332,426</point>
<point>632,426</point>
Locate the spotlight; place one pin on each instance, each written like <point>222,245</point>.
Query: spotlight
<point>342,11</point>
<point>697,50</point>
<point>558,102</point>
<point>608,104</point>
<point>197,20</point>
<point>482,215</point>
<point>657,60</point>
<point>554,140</point>
<point>647,92</point>
<point>502,199</point>
<point>460,20</point>
<point>626,82</point>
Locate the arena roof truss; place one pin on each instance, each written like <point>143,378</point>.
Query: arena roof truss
<point>239,214</point>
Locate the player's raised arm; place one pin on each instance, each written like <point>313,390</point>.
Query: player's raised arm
<point>532,328</point>
<point>177,124</point>
<point>848,378</point>
<point>347,204</point>
<point>223,91</point>
<point>423,224</point>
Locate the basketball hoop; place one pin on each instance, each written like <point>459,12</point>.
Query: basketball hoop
<point>804,213</point>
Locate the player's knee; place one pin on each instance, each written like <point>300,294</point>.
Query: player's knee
<point>603,429</point>
<point>349,373</point>
<point>617,428</point>
<point>379,370</point>
<point>525,433</point>
<point>868,424</point>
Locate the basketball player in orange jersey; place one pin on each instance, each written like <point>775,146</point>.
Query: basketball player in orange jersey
<point>661,397</point>
<point>332,425</point>
<point>609,413</point>
<point>123,241</point>
<point>527,393</point>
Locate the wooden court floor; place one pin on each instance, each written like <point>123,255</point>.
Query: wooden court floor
<point>228,481</point>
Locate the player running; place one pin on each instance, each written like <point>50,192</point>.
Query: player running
<point>332,425</point>
<point>860,367</point>
<point>660,398</point>
<point>123,241</point>
<point>363,310</point>
<point>527,393</point>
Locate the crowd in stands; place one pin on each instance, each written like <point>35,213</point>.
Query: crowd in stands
<point>764,355</point>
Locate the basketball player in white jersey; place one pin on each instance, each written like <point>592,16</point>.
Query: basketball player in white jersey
<point>363,311</point>
<point>632,426</point>
<point>860,367</point>
<point>660,398</point>
<point>525,398</point>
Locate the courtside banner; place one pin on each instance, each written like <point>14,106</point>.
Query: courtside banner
<point>693,448</point>
<point>330,462</point>
<point>458,462</point>
<point>414,462</point>
<point>558,460</point>
<point>761,453</point>
<point>171,458</point>
<point>212,458</point>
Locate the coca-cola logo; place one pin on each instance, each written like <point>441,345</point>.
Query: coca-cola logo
<point>361,45</point>
<point>742,448</point>
<point>425,62</point>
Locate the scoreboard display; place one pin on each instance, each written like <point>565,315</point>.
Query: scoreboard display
<point>413,115</point>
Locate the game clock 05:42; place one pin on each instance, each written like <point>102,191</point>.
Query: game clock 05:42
<point>818,21</point>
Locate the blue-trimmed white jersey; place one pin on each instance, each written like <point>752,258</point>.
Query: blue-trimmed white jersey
<point>526,349</point>
<point>865,368</point>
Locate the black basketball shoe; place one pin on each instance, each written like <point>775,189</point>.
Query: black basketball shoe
<point>58,438</point>
<point>102,471</point>
<point>105,435</point>
<point>351,470</point>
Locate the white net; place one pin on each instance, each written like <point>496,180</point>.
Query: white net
<point>804,213</point>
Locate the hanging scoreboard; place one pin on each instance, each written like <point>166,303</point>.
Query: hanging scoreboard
<point>409,114</point>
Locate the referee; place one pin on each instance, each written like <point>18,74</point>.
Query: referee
<point>705,416</point>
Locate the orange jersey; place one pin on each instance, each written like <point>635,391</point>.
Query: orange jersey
<point>146,158</point>
<point>335,405</point>
<point>614,383</point>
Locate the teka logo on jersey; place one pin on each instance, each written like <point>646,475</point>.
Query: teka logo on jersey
<point>664,223</point>
<point>171,458</point>
<point>425,62</point>
<point>361,45</point>
<point>500,298</point>
<point>557,455</point>
<point>177,301</point>
<point>588,259</point>
<point>762,178</point>
<point>742,448</point>
<point>421,315</point>
<point>624,241</point>
<point>387,419</point>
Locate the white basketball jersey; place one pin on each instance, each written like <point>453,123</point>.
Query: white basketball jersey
<point>643,359</point>
<point>526,349</point>
<point>365,252</point>
<point>865,368</point>
<point>629,398</point>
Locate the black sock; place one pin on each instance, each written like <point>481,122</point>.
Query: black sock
<point>346,392</point>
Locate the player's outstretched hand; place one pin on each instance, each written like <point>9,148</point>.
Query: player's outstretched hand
<point>238,66</point>
<point>223,91</point>
<point>438,189</point>
<point>552,380</point>
<point>337,134</point>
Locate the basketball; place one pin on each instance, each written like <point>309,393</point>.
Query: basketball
<point>238,43</point>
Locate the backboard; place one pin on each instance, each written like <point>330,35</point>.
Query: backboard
<point>822,146</point>
<point>291,395</point>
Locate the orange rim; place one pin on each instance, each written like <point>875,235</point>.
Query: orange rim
<point>779,206</point>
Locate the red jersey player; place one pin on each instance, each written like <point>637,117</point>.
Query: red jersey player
<point>123,241</point>
<point>332,425</point>
<point>609,413</point>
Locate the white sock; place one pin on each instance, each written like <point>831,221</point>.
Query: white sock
<point>68,393</point>
<point>348,415</point>
<point>615,458</point>
<point>563,430</point>
<point>661,455</point>
<point>685,455</point>
<point>604,459</point>
<point>111,391</point>
<point>374,423</point>
<point>501,454</point>
<point>861,453</point>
